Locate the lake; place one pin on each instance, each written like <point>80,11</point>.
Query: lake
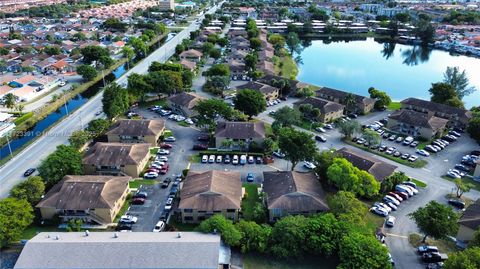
<point>400,70</point>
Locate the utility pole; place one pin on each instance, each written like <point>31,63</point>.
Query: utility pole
<point>9,148</point>
<point>65,103</point>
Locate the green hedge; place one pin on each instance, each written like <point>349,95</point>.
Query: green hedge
<point>23,118</point>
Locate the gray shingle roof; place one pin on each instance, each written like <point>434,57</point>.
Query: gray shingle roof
<point>294,191</point>
<point>342,94</point>
<point>325,106</point>
<point>436,107</point>
<point>138,127</point>
<point>129,250</point>
<point>116,154</point>
<point>253,85</point>
<point>240,130</point>
<point>471,216</point>
<point>185,99</point>
<point>377,168</point>
<point>419,119</point>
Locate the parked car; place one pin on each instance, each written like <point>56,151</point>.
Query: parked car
<point>205,159</point>
<point>382,148</point>
<point>166,182</point>
<point>150,175</point>
<point>435,265</point>
<point>124,227</point>
<point>279,154</point>
<point>462,167</point>
<point>452,174</point>
<point>200,147</point>
<point>164,169</point>
<point>392,137</point>
<point>412,158</point>
<point>379,211</point>
<point>166,146</point>
<point>412,189</point>
<point>226,159</point>
<point>389,198</point>
<point>383,206</point>
<point>390,221</point>
<point>403,188</point>
<point>250,177</point>
<point>243,159</point>
<point>159,227</point>
<point>309,165</point>
<point>457,203</point>
<point>168,204</point>
<point>235,159</point>
<point>321,138</point>
<point>163,152</point>
<point>414,144</point>
<point>29,172</point>
<point>328,126</point>
<point>251,160</point>
<point>411,184</point>
<point>211,158</point>
<point>422,152</point>
<point>434,257</point>
<point>402,194</point>
<point>427,249</point>
<point>431,149</point>
<point>399,139</point>
<point>320,129</point>
<point>405,156</point>
<point>127,219</point>
<point>138,201</point>
<point>390,150</point>
<point>219,158</point>
<point>170,139</point>
<point>259,160</point>
<point>397,154</point>
<point>140,194</point>
<point>396,196</point>
<point>204,138</point>
<point>391,205</point>
<point>162,158</point>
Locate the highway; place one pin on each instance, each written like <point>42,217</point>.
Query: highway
<point>12,172</point>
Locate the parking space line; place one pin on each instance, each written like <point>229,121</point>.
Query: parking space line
<point>426,170</point>
<point>274,167</point>
<point>397,235</point>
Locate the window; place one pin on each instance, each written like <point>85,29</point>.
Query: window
<point>231,210</point>
<point>217,212</point>
<point>202,211</point>
<point>188,210</point>
<point>188,218</point>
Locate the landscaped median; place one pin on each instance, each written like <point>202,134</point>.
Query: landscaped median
<point>416,164</point>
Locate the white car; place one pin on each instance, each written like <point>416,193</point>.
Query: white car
<point>390,221</point>
<point>412,189</point>
<point>211,159</point>
<point>169,203</point>
<point>404,188</point>
<point>412,158</point>
<point>162,158</point>
<point>320,129</point>
<point>169,139</point>
<point>189,121</point>
<point>235,159</point>
<point>389,198</point>
<point>205,159</point>
<point>159,227</point>
<point>379,211</point>
<point>383,206</point>
<point>126,219</point>
<point>62,83</point>
<point>392,206</point>
<point>219,158</point>
<point>150,175</point>
<point>309,165</point>
<point>279,154</point>
<point>163,152</point>
<point>461,174</point>
<point>423,152</point>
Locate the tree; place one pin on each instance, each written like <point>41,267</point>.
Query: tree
<point>287,116</point>
<point>372,137</point>
<point>31,190</point>
<point>296,145</point>
<point>393,28</point>
<point>293,43</point>
<point>425,31</point>
<point>402,17</point>
<point>219,70</point>
<point>277,40</point>
<point>255,43</point>
<point>128,53</point>
<point>215,53</point>
<point>348,128</point>
<point>350,102</point>
<point>221,225</point>
<point>165,81</point>
<point>323,234</point>
<point>435,220</point>
<point>250,102</point>
<point>393,180</point>
<point>216,84</point>
<point>347,177</point>
<point>347,208</point>
<point>441,92</point>
<point>52,50</point>
<point>475,242</point>
<point>138,46</point>
<point>98,127</point>
<point>255,237</point>
<point>115,100</point>
<point>87,72</point>
<point>15,216</point>
<point>94,53</point>
<point>462,187</point>
<point>473,128</point>
<point>179,49</point>
<point>79,138</point>
<point>323,160</point>
<point>115,25</point>
<point>288,237</point>
<point>138,87</point>
<point>65,160</point>
<point>210,110</point>
<point>10,100</point>
<point>459,81</point>
<point>363,252</point>
<point>465,259</point>
<point>382,99</point>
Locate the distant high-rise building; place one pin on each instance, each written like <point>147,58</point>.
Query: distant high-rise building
<point>166,5</point>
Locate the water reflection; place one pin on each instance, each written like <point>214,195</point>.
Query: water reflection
<point>388,49</point>
<point>415,55</point>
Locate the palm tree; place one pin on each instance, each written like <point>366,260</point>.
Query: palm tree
<point>20,108</point>
<point>349,101</point>
<point>10,100</point>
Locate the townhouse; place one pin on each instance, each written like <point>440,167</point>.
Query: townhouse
<point>137,131</point>
<point>239,135</point>
<point>329,111</point>
<point>353,103</point>
<point>417,124</point>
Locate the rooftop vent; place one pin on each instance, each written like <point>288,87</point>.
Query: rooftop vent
<point>57,237</point>
<point>179,235</point>
<point>87,233</point>
<point>115,235</point>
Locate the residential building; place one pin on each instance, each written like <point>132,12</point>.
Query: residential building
<point>293,193</point>
<point>469,223</point>
<point>102,250</point>
<point>137,131</point>
<point>377,168</point>
<point>166,5</point>
<point>189,65</point>
<point>6,127</point>
<point>270,93</point>
<point>239,135</point>
<point>456,117</point>
<point>96,199</point>
<point>416,124</point>
<point>294,85</point>
<point>184,103</point>
<point>360,104</point>
<point>207,193</point>
<point>191,55</point>
<point>116,159</point>
<point>329,111</point>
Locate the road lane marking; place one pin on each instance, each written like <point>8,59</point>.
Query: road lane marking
<point>397,235</point>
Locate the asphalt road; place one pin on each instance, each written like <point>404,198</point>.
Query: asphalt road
<point>12,172</point>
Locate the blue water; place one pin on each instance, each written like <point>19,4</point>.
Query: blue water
<point>406,71</point>
<point>71,105</point>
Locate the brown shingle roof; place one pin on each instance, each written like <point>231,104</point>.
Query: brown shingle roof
<point>240,130</point>
<point>377,168</point>
<point>419,119</point>
<point>116,154</point>
<point>294,191</point>
<point>85,192</point>
<point>138,127</point>
<point>471,216</point>
<point>436,107</point>
<point>191,53</point>
<point>185,99</point>
<point>263,88</point>
<point>342,94</point>
<point>325,106</point>
<point>211,191</point>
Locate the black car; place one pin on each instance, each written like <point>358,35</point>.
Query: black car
<point>382,148</point>
<point>203,138</point>
<point>434,257</point>
<point>124,227</point>
<point>353,116</point>
<point>458,130</point>
<point>449,138</point>
<point>166,182</point>
<point>462,167</point>
<point>259,160</point>
<point>164,216</point>
<point>200,147</point>
<point>457,203</point>
<point>29,172</point>
<point>475,153</point>
<point>141,194</point>
<point>320,138</point>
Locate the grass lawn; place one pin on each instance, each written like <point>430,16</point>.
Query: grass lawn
<point>249,202</point>
<point>444,246</point>
<point>308,125</point>
<point>154,150</point>
<point>161,102</point>
<point>124,208</point>
<point>394,106</point>
<point>258,261</point>
<point>374,221</point>
<point>286,67</point>
<point>167,133</point>
<point>186,227</point>
<point>195,158</point>
<point>184,124</point>
<point>476,184</point>
<point>417,164</point>
<point>135,184</point>
<point>32,230</point>
<point>419,183</point>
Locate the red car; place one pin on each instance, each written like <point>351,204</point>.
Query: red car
<point>138,201</point>
<point>402,194</point>
<point>200,147</point>
<point>396,196</point>
<point>152,170</point>
<point>166,146</point>
<point>164,169</point>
